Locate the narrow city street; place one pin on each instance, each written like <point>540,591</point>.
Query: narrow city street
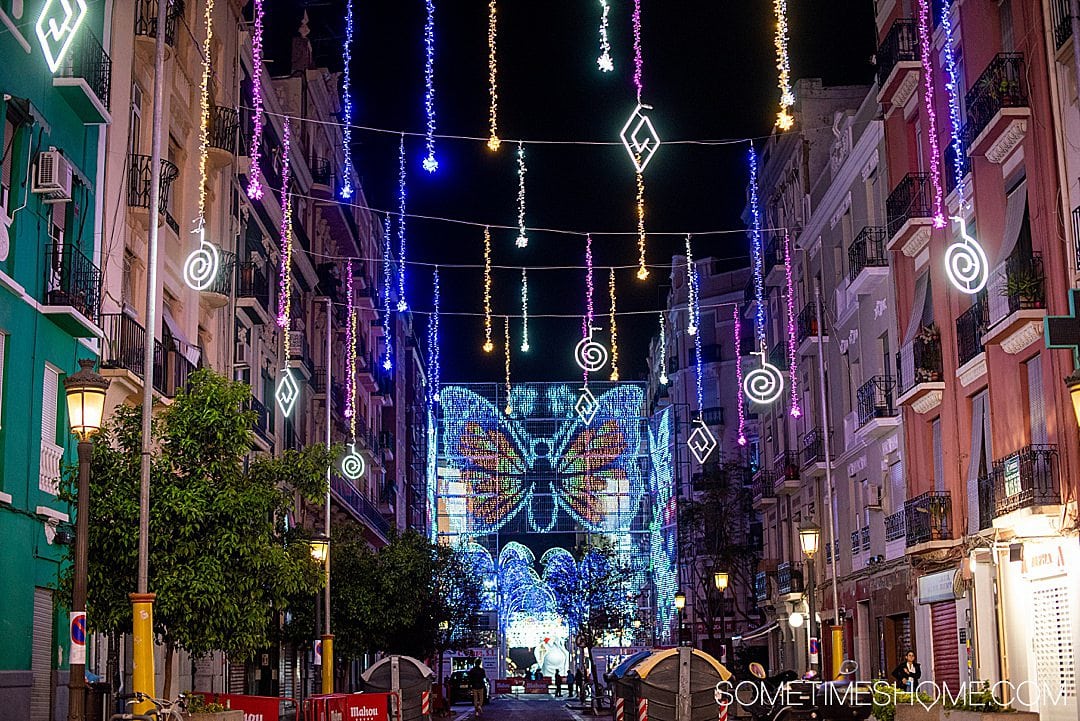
<point>520,707</point>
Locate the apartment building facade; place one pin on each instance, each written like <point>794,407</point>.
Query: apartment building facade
<point>995,588</point>
<point>56,112</point>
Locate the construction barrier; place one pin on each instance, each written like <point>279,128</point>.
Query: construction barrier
<point>350,707</point>
<point>255,708</point>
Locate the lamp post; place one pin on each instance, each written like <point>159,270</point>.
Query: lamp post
<point>85,391</point>
<point>809,539</point>
<point>721,580</point>
<point>319,545</point>
<point>680,606</point>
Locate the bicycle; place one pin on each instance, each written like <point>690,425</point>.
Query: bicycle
<point>163,708</point>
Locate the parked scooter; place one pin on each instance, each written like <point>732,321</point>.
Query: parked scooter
<point>786,697</point>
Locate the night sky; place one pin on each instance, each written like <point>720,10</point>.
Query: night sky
<point>710,74</point>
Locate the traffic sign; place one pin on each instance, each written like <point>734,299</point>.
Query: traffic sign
<point>318,652</point>
<point>78,636</point>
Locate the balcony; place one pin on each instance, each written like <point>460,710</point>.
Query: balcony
<point>928,520</point>
<point>786,478</point>
<point>895,529</point>
<point>773,260</point>
<point>1061,22</point>
<point>1016,303</point>
<point>264,425</point>
<point>84,79</point>
<point>50,462</point>
<point>789,580</point>
<point>253,293</point>
<point>1029,478</point>
<point>362,510</point>
<point>813,452</point>
<point>997,109</point>
<point>123,361</point>
<point>920,380</point>
<point>909,213</point>
<point>762,489</point>
<point>878,412</point>
<point>898,65</point>
<point>806,327</point>
<point>868,262</point>
<point>300,354</point>
<point>72,290</point>
<point>318,381</point>
<point>970,327</point>
<point>713,416</point>
<point>216,295</point>
<point>761,587</point>
<point>855,545</point>
<point>146,16</point>
<point>224,136</point>
<point>322,176</point>
<point>138,187</point>
<point>778,356</point>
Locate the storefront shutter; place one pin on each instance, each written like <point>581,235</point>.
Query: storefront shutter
<point>41,657</point>
<point>1055,655</point>
<point>946,646</point>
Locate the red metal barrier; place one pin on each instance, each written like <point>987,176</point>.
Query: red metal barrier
<point>348,707</point>
<point>255,708</point>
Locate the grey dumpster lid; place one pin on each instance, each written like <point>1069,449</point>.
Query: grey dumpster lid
<point>411,673</point>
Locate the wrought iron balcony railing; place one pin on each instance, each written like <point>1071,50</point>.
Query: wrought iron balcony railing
<point>263,420</point>
<point>895,528</point>
<point>223,282</point>
<point>813,447</point>
<point>854,543</point>
<point>1061,21</point>
<point>72,279</point>
<point>778,356</point>
<point>88,60</point>
<point>713,416</point>
<point>901,43</point>
<point>867,251</point>
<point>252,283</point>
<point>928,517</point>
<point>788,578</point>
<point>1002,85</point>
<point>762,485</point>
<point>806,324</point>
<point>761,586</point>
<point>774,253</point>
<point>919,361</point>
<point>970,327</point>
<point>224,128</point>
<point>138,189</point>
<point>912,198</point>
<point>1022,286</point>
<point>1029,477</point>
<point>361,507</point>
<point>322,172</point>
<point>877,399</point>
<point>146,15</point>
<point>125,343</point>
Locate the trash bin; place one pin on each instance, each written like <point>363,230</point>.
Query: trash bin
<point>407,677</point>
<point>624,688</point>
<point>676,684</point>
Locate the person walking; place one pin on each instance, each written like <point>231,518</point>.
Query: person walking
<point>908,673</point>
<point>477,679</point>
<point>570,682</point>
<point>558,683</point>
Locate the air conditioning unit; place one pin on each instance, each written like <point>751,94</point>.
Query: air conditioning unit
<point>52,178</point>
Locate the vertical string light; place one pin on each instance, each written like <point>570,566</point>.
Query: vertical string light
<point>524,312</point>
<point>347,105</point>
<point>793,355</point>
<point>755,237</point>
<point>430,163</point>
<point>784,119</point>
<point>614,328</point>
<point>284,277</point>
<point>587,322</point>
<point>643,271</point>
<point>488,345</point>
<point>388,269</point>
<point>691,285</point>
<point>350,345</point>
<point>254,188</point>
<point>604,61</point>
<point>926,51</point>
<point>952,88</point>
<point>635,20</point>
<point>434,349</point>
<point>663,351</point>
<point>493,142</point>
<point>698,364</point>
<point>737,333</point>
<point>202,264</point>
<point>522,239</point>
<point>402,304</point>
<point>506,361</point>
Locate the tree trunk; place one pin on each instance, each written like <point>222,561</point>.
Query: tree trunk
<point>169,652</point>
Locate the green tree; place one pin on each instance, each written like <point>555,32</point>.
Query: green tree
<point>219,561</point>
<point>459,593</point>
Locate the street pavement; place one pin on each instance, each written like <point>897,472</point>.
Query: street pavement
<point>522,708</point>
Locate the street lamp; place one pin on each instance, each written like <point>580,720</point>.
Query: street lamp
<point>85,391</point>
<point>680,605</point>
<point>320,547</point>
<point>809,538</point>
<point>721,580</point>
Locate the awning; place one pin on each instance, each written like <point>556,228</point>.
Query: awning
<point>757,632</point>
<point>922,311</point>
<point>185,348</point>
<point>1015,207</point>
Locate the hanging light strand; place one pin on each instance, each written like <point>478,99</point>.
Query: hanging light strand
<point>524,312</point>
<point>638,61</point>
<point>698,364</point>
<point>952,88</point>
<point>643,269</point>
<point>388,269</point>
<point>402,304</point>
<point>488,345</point>
<point>926,51</point>
<point>692,290</point>
<point>284,274</point>
<point>430,163</point>
<point>737,333</point>
<point>755,236</point>
<point>614,328</point>
<point>350,345</point>
<point>784,119</point>
<point>493,88</point>
<point>435,350</point>
<point>587,322</point>
<point>506,361</point>
<point>204,110</point>
<point>605,61</point>
<point>347,105</point>
<point>663,351</point>
<point>793,354</point>
<point>522,239</point>
<point>254,188</point>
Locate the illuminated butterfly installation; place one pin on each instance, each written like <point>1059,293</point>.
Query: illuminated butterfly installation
<point>541,462</point>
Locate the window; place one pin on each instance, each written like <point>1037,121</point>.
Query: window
<point>135,122</point>
<point>1036,403</point>
<point>939,461</point>
<point>127,280</point>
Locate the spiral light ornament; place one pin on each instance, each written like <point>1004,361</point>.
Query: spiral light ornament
<point>590,355</point>
<point>202,265</point>
<point>353,465</point>
<point>965,262</point>
<point>764,385</point>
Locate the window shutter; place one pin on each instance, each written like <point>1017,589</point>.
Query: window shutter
<point>939,461</point>
<point>1036,402</point>
<point>49,400</point>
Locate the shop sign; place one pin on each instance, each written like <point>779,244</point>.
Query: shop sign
<point>936,587</point>
<point>1043,560</point>
<point>1012,475</point>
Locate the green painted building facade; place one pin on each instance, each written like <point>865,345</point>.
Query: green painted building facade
<point>53,145</point>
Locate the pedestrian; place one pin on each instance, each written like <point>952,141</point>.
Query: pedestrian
<point>908,673</point>
<point>477,680</point>
<point>570,679</point>
<point>558,684</point>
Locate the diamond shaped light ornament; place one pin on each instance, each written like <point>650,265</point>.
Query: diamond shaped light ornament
<point>287,392</point>
<point>701,442</point>
<point>639,137</point>
<point>586,406</point>
<point>56,29</point>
